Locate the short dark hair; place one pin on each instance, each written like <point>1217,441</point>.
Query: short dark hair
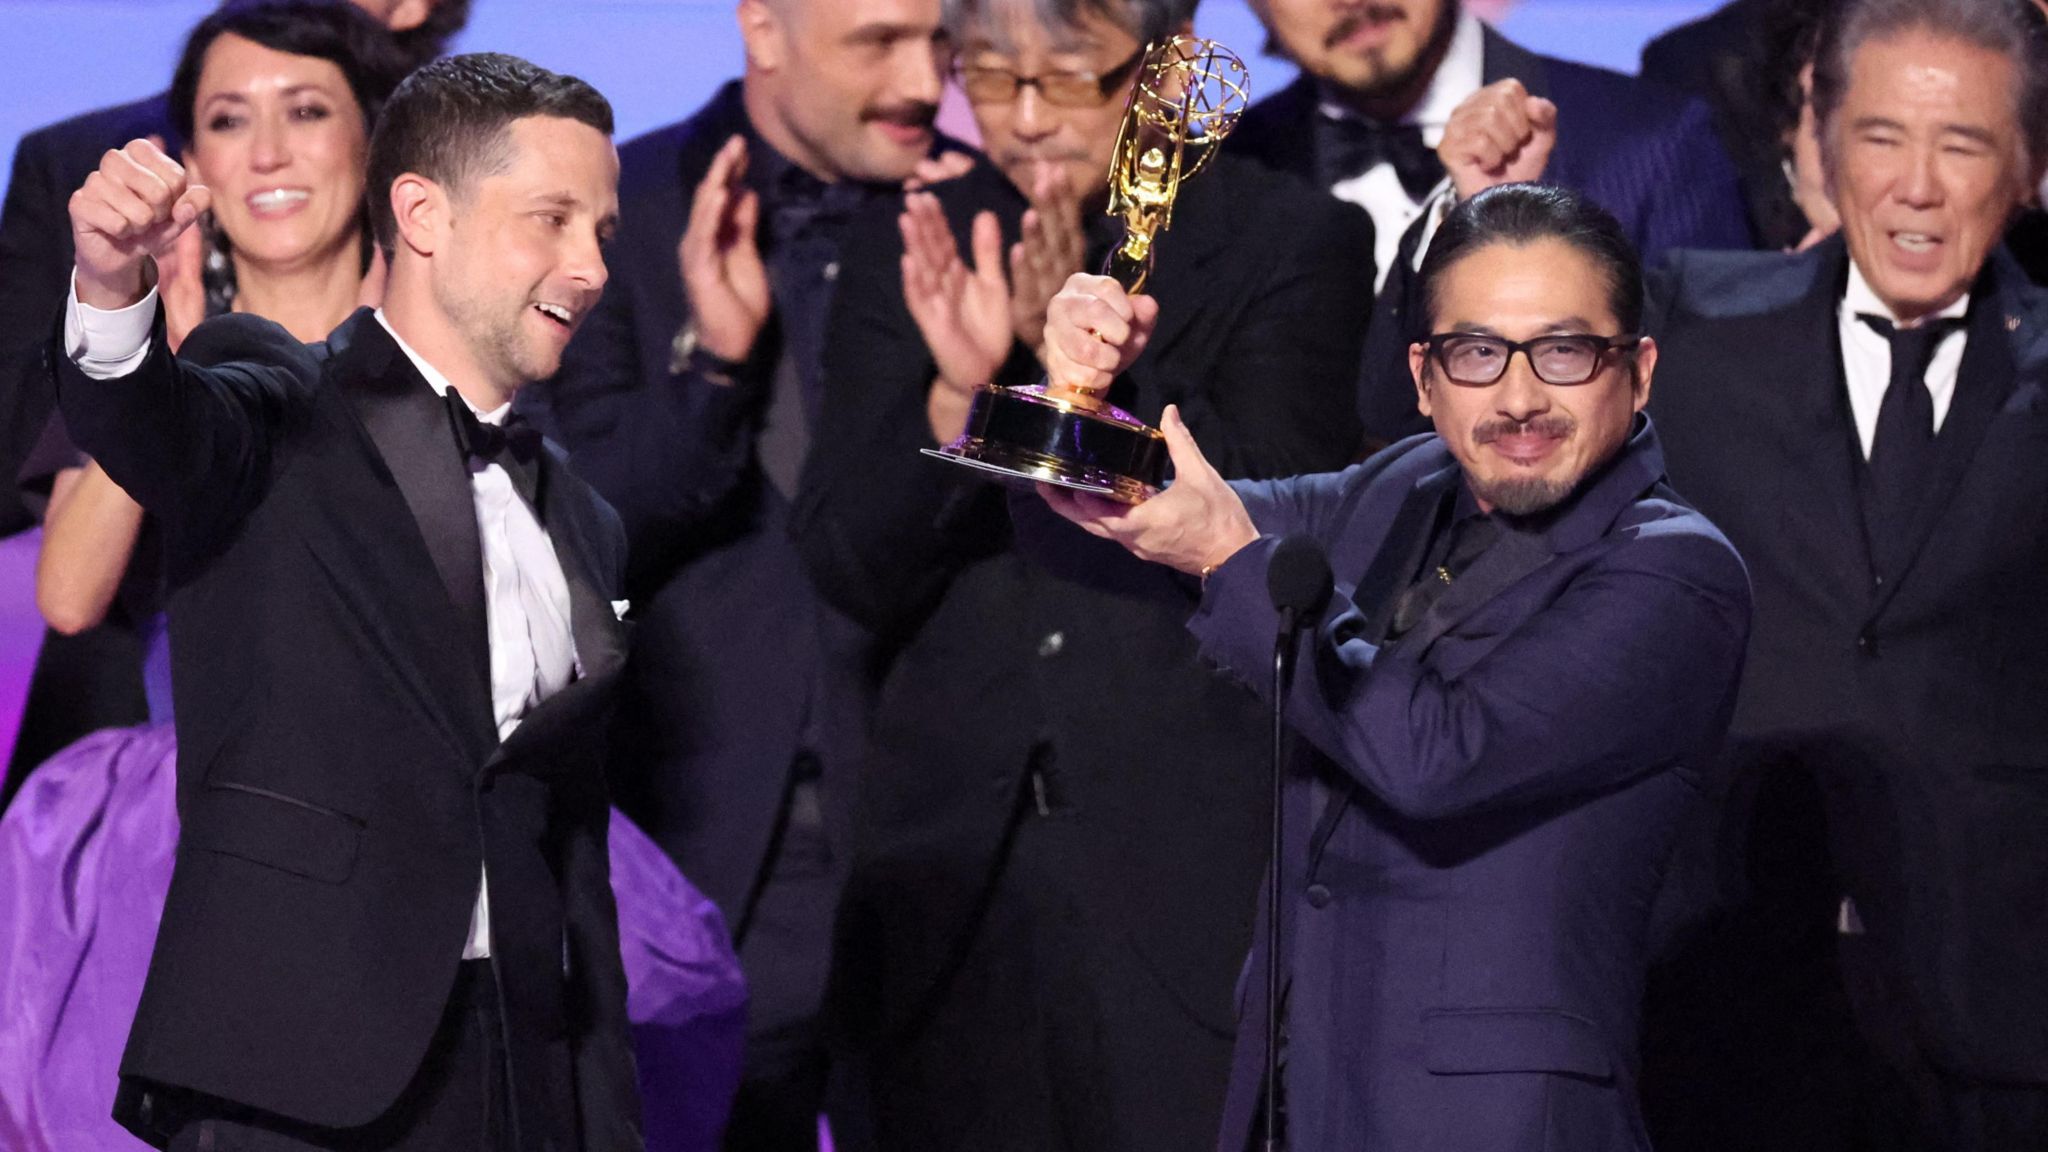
<point>449,121</point>
<point>2011,28</point>
<point>1148,20</point>
<point>1522,214</point>
<point>426,42</point>
<point>325,29</point>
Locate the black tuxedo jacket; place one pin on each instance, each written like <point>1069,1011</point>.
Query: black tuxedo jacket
<point>1005,668</point>
<point>92,680</point>
<point>340,779</point>
<point>35,263</point>
<point>1645,154</point>
<point>1912,687</point>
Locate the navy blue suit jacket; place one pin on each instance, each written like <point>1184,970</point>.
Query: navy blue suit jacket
<point>1490,805</point>
<point>1648,155</point>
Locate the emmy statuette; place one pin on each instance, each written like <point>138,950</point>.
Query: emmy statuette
<point>1188,95</point>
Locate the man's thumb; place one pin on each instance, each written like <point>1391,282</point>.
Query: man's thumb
<point>192,205</point>
<point>1187,457</point>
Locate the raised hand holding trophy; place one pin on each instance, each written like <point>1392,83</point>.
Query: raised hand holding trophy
<point>1187,97</point>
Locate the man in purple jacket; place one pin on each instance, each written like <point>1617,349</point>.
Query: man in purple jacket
<point>1508,708</point>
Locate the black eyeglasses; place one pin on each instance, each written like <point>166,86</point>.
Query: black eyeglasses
<point>986,85</point>
<point>1476,360</point>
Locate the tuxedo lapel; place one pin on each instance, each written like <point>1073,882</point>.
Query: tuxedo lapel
<point>1983,382</point>
<point>1400,552</point>
<point>408,427</point>
<point>1513,556</point>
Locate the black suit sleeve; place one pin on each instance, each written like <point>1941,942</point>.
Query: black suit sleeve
<point>881,527</point>
<point>669,450</point>
<point>35,262</point>
<point>193,444</point>
<point>1279,398</point>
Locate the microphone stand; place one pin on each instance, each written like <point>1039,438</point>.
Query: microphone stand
<point>1283,651</point>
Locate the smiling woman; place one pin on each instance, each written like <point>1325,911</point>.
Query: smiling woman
<point>275,101</point>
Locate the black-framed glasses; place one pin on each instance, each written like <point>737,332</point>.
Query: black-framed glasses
<point>1477,360</point>
<point>986,85</point>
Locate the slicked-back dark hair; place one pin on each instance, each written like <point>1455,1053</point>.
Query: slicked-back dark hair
<point>450,122</point>
<point>2011,28</point>
<point>323,29</point>
<point>1523,214</point>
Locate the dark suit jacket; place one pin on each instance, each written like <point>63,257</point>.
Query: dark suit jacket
<point>1722,59</point>
<point>731,638</point>
<point>1500,792</point>
<point>92,680</point>
<point>340,780</point>
<point>1647,155</point>
<point>1917,701</point>
<point>1004,668</point>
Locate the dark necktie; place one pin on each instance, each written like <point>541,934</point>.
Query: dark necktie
<point>1904,445</point>
<point>1469,539</point>
<point>513,445</point>
<point>1347,146</point>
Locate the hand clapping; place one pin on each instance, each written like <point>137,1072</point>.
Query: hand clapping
<point>722,270</point>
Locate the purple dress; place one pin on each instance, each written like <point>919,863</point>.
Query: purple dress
<point>85,859</point>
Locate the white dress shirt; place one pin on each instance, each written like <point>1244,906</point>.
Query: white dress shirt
<point>1867,358</point>
<point>1378,190</point>
<point>526,596</point>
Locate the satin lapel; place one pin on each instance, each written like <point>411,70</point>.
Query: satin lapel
<point>1513,556</point>
<point>407,425</point>
<point>1983,382</point>
<point>1401,550</point>
<point>1806,353</point>
<point>600,637</point>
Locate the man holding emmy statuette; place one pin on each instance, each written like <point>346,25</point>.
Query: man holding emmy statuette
<point>1504,717</point>
<point>1061,825</point>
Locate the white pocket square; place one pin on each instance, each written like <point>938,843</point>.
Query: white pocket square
<point>621,607</point>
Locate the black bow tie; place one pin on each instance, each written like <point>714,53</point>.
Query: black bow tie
<point>513,445</point>
<point>1347,146</point>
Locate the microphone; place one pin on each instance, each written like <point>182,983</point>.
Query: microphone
<point>1298,580</point>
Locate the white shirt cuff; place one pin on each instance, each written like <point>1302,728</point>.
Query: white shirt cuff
<point>106,344</point>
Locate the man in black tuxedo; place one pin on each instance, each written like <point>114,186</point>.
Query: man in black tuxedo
<point>1061,821</point>
<point>1866,422</point>
<point>394,649</point>
<point>688,403</point>
<point>1404,106</point>
<point>94,680</point>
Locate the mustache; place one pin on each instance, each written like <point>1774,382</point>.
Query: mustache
<point>1555,425</point>
<point>1351,23</point>
<point>909,114</point>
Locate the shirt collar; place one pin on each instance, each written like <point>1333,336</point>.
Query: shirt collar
<point>1861,298</point>
<point>436,380</point>
<point>1459,74</point>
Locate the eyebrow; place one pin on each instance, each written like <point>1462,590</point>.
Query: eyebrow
<point>242,98</point>
<point>1568,326</point>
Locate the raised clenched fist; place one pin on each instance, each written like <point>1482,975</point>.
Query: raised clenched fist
<point>127,213</point>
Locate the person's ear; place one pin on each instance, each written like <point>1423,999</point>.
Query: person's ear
<point>763,33</point>
<point>421,209</point>
<point>1418,367</point>
<point>1645,367</point>
<point>407,15</point>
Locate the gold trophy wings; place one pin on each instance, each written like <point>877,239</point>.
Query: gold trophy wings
<point>1187,97</point>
